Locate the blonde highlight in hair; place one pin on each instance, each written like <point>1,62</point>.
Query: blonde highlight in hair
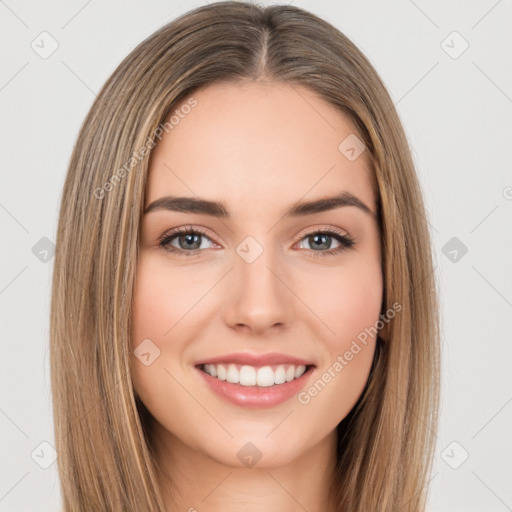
<point>102,430</point>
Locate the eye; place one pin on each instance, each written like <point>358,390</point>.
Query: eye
<point>187,241</point>
<point>322,239</point>
<point>187,238</point>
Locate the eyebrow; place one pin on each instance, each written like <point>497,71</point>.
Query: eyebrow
<point>217,209</point>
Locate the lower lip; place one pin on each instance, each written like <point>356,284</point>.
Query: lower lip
<point>255,396</point>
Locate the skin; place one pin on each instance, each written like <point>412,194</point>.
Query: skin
<point>258,148</point>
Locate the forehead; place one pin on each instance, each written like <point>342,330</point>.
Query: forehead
<point>272,143</point>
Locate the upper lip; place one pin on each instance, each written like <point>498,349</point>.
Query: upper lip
<point>252,359</point>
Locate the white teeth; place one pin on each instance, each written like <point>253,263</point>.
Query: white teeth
<point>233,374</point>
<point>279,375</point>
<point>265,377</point>
<point>299,371</point>
<point>246,375</point>
<point>221,371</point>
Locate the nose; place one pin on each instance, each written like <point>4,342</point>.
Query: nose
<point>258,295</point>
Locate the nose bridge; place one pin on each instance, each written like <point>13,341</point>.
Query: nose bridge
<point>258,296</point>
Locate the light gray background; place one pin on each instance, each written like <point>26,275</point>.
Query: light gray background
<point>457,114</point>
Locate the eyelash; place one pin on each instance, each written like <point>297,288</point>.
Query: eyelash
<point>346,242</point>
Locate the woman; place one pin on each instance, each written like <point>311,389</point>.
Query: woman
<point>244,312</point>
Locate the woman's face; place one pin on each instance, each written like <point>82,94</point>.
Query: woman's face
<point>256,280</point>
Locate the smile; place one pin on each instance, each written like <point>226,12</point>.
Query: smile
<point>247,375</point>
<point>255,387</point>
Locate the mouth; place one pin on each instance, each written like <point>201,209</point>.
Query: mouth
<point>252,380</point>
<point>255,386</point>
<point>267,376</point>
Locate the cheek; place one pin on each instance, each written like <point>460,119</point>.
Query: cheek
<point>349,311</point>
<point>158,305</point>
<point>162,299</point>
<point>357,303</point>
<point>344,301</point>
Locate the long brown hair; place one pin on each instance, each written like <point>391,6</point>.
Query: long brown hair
<point>102,432</point>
